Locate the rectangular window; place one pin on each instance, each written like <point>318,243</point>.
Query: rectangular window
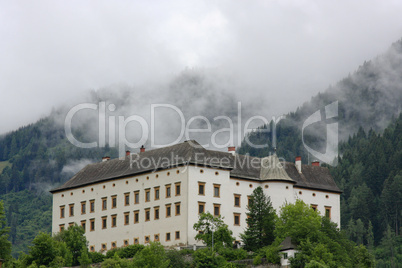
<point>136,241</point>
<point>92,225</point>
<point>104,222</point>
<point>156,238</point>
<point>249,200</point>
<point>314,207</point>
<point>114,220</point>
<point>114,201</point>
<point>201,207</point>
<point>136,197</point>
<point>71,224</point>
<point>127,199</point>
<point>147,239</point>
<point>217,188</point>
<point>201,188</point>
<point>168,191</point>
<point>83,225</point>
<point>217,210</point>
<point>285,256</point>
<point>92,206</point>
<point>126,218</point>
<point>104,247</point>
<point>136,216</point>
<point>147,214</point>
<point>177,205</point>
<point>71,210</point>
<point>125,243</point>
<point>92,248</point>
<point>62,212</point>
<point>168,210</point>
<point>177,186</point>
<point>156,213</point>
<point>237,200</point>
<point>61,227</point>
<point>104,203</point>
<point>177,235</point>
<point>156,193</point>
<point>147,195</point>
<point>83,207</point>
<point>236,219</point>
<point>167,236</point>
<point>328,212</point>
<point>114,244</point>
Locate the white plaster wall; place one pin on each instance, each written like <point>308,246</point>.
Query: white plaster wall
<point>321,199</point>
<point>131,231</point>
<point>280,193</point>
<point>189,176</point>
<point>291,253</point>
<point>209,177</point>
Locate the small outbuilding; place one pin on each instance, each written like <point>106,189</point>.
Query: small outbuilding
<point>288,249</point>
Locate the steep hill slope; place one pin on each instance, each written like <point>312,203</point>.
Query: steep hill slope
<point>369,98</point>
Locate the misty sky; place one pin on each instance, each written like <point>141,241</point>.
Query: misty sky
<point>51,52</point>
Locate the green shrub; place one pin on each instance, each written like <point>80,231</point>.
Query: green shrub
<point>233,254</point>
<point>110,253</point>
<point>153,255</point>
<point>257,260</point>
<point>206,258</point>
<point>177,259</point>
<point>272,254</point>
<point>186,251</point>
<point>96,257</point>
<point>130,251</point>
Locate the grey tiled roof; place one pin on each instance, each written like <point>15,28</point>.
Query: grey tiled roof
<point>190,152</point>
<point>287,244</point>
<point>312,177</point>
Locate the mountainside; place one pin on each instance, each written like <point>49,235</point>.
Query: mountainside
<point>369,98</point>
<point>38,157</point>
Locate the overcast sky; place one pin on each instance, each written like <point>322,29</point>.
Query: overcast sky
<point>53,51</point>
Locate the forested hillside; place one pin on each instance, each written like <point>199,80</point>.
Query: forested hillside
<point>370,175</point>
<point>35,159</point>
<point>38,157</point>
<point>369,98</point>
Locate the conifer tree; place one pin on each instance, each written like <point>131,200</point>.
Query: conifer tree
<point>260,221</point>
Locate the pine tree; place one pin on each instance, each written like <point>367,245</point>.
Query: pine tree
<point>260,221</point>
<point>370,236</point>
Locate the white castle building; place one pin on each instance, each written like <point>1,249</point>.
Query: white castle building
<point>157,195</point>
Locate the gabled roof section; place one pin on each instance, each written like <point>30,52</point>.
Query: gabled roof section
<point>192,153</point>
<point>246,167</point>
<point>287,244</point>
<point>272,170</point>
<point>312,177</point>
<point>189,152</point>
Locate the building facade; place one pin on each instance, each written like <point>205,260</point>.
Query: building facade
<point>157,195</point>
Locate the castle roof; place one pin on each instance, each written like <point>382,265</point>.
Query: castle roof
<point>192,153</point>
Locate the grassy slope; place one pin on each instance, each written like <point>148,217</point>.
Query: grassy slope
<point>4,164</point>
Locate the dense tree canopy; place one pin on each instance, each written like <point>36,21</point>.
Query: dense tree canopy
<point>5,245</point>
<point>213,229</point>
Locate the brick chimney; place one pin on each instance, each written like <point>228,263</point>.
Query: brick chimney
<point>105,158</point>
<point>298,163</point>
<point>232,150</point>
<point>142,149</point>
<point>315,163</point>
